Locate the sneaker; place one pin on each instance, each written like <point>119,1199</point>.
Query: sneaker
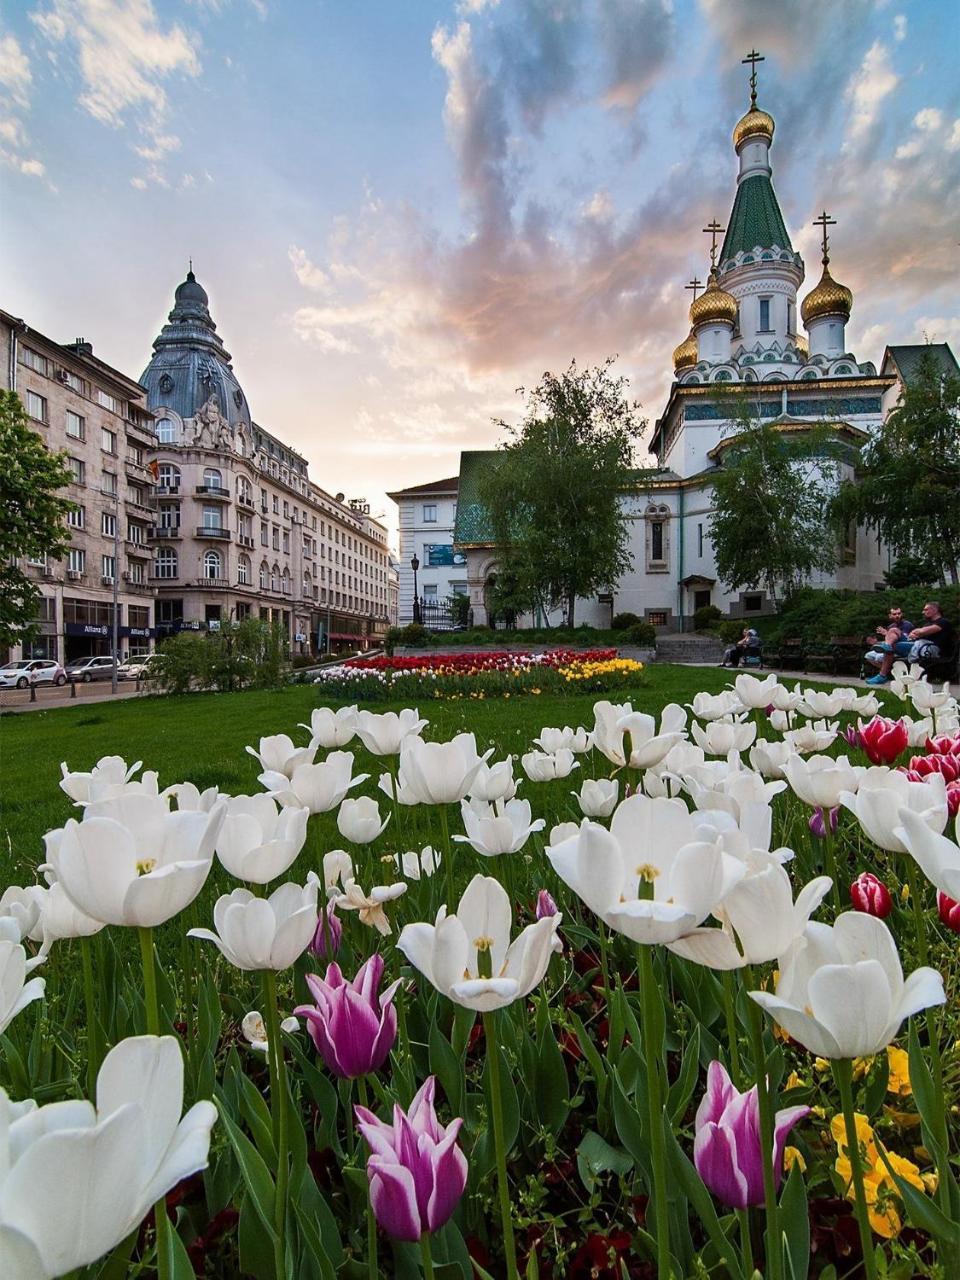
<point>879,679</point>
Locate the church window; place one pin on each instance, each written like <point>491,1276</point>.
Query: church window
<point>766,257</point>
<point>723,376</point>
<point>844,368</point>
<point>749,376</point>
<point>748,257</point>
<point>736,324</point>
<point>166,431</point>
<point>791,316</point>
<point>656,540</point>
<point>764,315</point>
<point>699,539</point>
<point>808,376</point>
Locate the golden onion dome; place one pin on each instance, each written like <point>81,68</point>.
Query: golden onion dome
<point>828,298</point>
<point>714,305</point>
<point>755,124</point>
<point>802,345</point>
<point>686,354</point>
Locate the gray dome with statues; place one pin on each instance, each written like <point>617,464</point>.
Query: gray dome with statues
<point>190,364</point>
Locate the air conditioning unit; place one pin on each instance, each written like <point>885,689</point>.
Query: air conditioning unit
<point>47,571</point>
<point>107,582</point>
<point>74,575</point>
<point>125,576</point>
<point>62,375</point>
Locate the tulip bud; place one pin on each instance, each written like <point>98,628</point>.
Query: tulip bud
<point>852,736</point>
<point>949,911</point>
<point>328,934</point>
<point>953,798</point>
<point>884,740</point>
<point>546,905</point>
<point>817,824</point>
<point>871,896</point>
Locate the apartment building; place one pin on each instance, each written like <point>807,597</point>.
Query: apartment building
<point>428,514</point>
<point>99,417</point>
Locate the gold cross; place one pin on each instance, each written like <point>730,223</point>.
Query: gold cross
<point>713,229</point>
<point>823,222</point>
<point>753,58</point>
<point>696,285</point>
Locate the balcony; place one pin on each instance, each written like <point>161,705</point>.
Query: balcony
<point>165,490</point>
<point>136,548</point>
<point>213,491</point>
<point>215,532</point>
<point>245,541</point>
<point>246,503</point>
<point>214,584</point>
<point>160,532</point>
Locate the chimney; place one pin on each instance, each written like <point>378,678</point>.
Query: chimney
<point>81,347</point>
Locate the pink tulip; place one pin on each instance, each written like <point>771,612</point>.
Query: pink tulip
<point>817,825</point>
<point>884,740</point>
<point>945,745</point>
<point>948,911</point>
<point>416,1171</point>
<point>329,932</point>
<point>546,905</point>
<point>726,1148</point>
<point>352,1026</point>
<point>871,896</point>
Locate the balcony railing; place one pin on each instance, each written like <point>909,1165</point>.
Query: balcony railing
<point>245,502</point>
<point>214,584</point>
<point>157,532</point>
<point>137,548</point>
<point>213,531</point>
<point>213,491</point>
<point>245,541</point>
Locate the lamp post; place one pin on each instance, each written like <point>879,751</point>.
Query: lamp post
<point>415,565</point>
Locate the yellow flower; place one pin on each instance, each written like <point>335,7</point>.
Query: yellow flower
<point>868,1150</point>
<point>821,1064</point>
<point>905,893</point>
<point>793,1082</point>
<point>792,1156</point>
<point>861,1066</point>
<point>899,1064</point>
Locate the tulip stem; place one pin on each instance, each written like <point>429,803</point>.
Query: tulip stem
<point>278,1100</point>
<point>654,1082</point>
<point>730,1012</point>
<point>843,1075</point>
<point>152,1009</point>
<point>372,1270</point>
<point>93,1032</point>
<point>426,1255</point>
<point>447,855</point>
<point>491,1032</point>
<point>774,1243</point>
<point>746,1244</point>
<point>392,767</point>
<point>612,1050</point>
<point>830,858</point>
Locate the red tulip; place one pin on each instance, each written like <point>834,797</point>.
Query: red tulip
<point>953,798</point>
<point>945,745</point>
<point>949,911</point>
<point>871,896</point>
<point>947,764</point>
<point>883,740</point>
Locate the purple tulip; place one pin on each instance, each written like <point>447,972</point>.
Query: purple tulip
<point>329,932</point>
<point>726,1149</point>
<point>352,1026</point>
<point>416,1171</point>
<point>546,905</point>
<point>852,736</point>
<point>818,826</point>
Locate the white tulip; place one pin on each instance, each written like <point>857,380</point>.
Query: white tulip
<point>714,706</point>
<point>597,797</point>
<point>15,992</point>
<point>359,820</point>
<point>502,827</point>
<point>754,693</point>
<point>540,767</point>
<point>75,1182</point>
<point>841,991</point>
<point>819,781</point>
<point>23,905</point>
<point>653,876</point>
<point>647,747</point>
<point>867,705</point>
<point>133,862</point>
<point>109,777</point>
<point>903,677</point>
<point>258,841</point>
<point>417,866</point>
<point>786,700</point>
<point>780,721</point>
<point>397,788</point>
<point>769,758</point>
<point>817,736</point>
<point>563,831</point>
<point>720,737</point>
<point>576,740</point>
<point>608,730</point>
<point>370,906</point>
<point>821,706</point>
<point>331,729</point>
<point>882,796</point>
<point>494,782</point>
<point>258,934</point>
<point>279,754</point>
<point>317,787</point>
<point>190,797</point>
<point>61,918</point>
<point>441,772</point>
<point>927,699</point>
<point>937,856</point>
<point>337,868</point>
<point>385,734</point>
<point>254,1030</point>
<point>448,952</point>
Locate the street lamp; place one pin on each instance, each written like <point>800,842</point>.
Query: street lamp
<point>415,565</point>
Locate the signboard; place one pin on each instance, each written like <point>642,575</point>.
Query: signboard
<point>87,629</point>
<point>441,555</point>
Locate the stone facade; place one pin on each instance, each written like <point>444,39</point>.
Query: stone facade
<point>428,513</point>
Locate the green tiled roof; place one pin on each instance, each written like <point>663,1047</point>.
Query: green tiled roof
<point>473,523</point>
<point>755,219</point>
<point>907,359</point>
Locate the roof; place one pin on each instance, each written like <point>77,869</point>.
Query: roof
<point>449,485</point>
<point>787,425</point>
<point>906,359</point>
<point>473,522</point>
<point>755,220</point>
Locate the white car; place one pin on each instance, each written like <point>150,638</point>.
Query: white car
<point>136,668</point>
<point>19,675</point>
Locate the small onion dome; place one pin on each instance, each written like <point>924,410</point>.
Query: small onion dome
<point>755,124</point>
<point>827,299</point>
<point>714,305</point>
<point>686,354</point>
<point>802,345</point>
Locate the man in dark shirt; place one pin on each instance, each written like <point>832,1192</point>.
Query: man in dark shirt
<point>891,637</point>
<point>933,639</point>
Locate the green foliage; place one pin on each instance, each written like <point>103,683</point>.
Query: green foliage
<point>459,606</point>
<point>623,620</point>
<point>247,654</point>
<point>767,526</point>
<point>911,571</point>
<point>552,496</point>
<point>908,477</point>
<point>413,634</point>
<point>32,515</point>
<point>730,630</point>
<point>642,634</point>
<point>816,615</point>
<point>705,618</point>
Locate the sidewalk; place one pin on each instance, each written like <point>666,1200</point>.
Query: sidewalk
<point>795,677</point>
<point>49,699</point>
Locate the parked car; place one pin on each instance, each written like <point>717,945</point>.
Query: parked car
<point>18,675</point>
<point>137,668</point>
<point>87,669</point>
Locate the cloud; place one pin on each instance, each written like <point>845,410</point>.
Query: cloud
<point>309,275</point>
<point>15,74</point>
<point>636,37</point>
<point>873,81</point>
<point>16,80</point>
<point>900,27</point>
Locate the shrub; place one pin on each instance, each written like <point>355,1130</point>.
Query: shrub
<point>621,621</point>
<point>642,634</point>
<point>248,654</point>
<point>730,630</point>
<point>706,618</point>
<point>413,634</point>
<point>303,660</point>
<point>815,615</point>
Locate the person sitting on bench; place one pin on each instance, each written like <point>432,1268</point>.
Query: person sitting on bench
<point>933,640</point>
<point>891,636</point>
<point>748,643</point>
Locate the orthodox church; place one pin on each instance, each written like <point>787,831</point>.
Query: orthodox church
<point>744,341</point>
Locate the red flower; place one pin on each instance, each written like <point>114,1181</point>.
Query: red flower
<point>949,911</point>
<point>953,798</point>
<point>883,740</point>
<point>944,745</point>
<point>948,765</point>
<point>871,896</point>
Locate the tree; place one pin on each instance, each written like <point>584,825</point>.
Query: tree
<point>553,496</point>
<point>908,478</point>
<point>768,526</point>
<point>32,515</point>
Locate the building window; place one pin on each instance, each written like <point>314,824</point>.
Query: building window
<point>429,593</point>
<point>244,490</point>
<point>243,571</point>
<point>276,505</point>
<point>108,524</point>
<point>135,454</point>
<point>286,543</point>
<point>166,431</point>
<point>110,402</point>
<point>752,604</point>
<point>109,482</point>
<point>33,360</point>
<point>211,564</point>
<point>699,539</point>
<point>135,534</point>
<point>429,513</point>
<point>165,563</point>
<point>76,560</point>
<point>212,518</point>
<point>136,575</point>
<point>276,538</point>
<point>169,475</point>
<point>108,440</point>
<point>657,543</point>
<point>36,406</point>
<point>264,577</point>
<point>74,382</point>
<point>78,469</point>
<point>764,315</point>
<point>108,567</point>
<point>657,618</point>
<point>169,515</point>
<point>74,425</point>
<point>286,511</point>
<point>264,534</point>
<point>212,478</point>
<point>286,582</point>
<point>656,540</point>
<point>75,518</point>
<point>791,317</point>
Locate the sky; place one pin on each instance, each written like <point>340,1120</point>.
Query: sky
<point>405,210</point>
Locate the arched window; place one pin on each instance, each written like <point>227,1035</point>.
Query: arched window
<point>244,489</point>
<point>264,576</point>
<point>808,375</point>
<point>749,376</point>
<point>169,475</point>
<point>657,542</point>
<point>165,563</point>
<point>212,477</point>
<point>275,578</point>
<point>167,431</point>
<point>843,368</point>
<point>243,571</point>
<point>211,564</point>
<point>722,376</point>
<point>286,582</point>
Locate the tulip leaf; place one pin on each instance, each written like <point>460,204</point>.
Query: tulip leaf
<point>448,1069</point>
<point>317,1226</point>
<point>550,1086</point>
<point>795,1224</point>
<point>256,1113</point>
<point>928,1103</point>
<point>589,1051</point>
<point>117,1265</point>
<point>626,1117</point>
<point>595,1157</point>
<point>255,1239</point>
<point>876,1089</point>
<point>698,1195</point>
<point>681,1091</point>
<point>483,1158</point>
<point>256,1175</point>
<point>179,1266</point>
